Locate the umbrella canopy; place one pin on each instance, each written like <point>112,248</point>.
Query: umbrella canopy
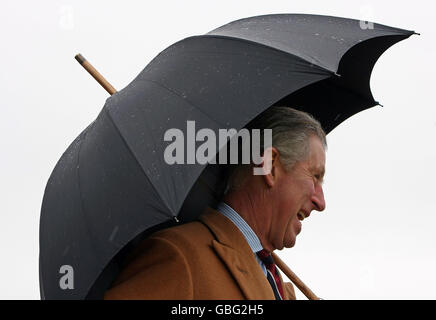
<point>112,185</point>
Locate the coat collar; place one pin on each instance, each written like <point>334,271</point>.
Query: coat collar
<point>231,246</point>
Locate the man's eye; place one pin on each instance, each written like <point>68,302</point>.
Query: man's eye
<point>318,178</point>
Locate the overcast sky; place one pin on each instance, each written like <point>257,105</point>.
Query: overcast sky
<point>375,240</point>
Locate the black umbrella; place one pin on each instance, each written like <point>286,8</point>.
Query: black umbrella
<point>112,186</point>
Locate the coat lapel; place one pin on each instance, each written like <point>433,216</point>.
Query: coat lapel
<point>231,246</point>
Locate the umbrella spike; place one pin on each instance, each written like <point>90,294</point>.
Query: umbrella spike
<point>95,74</point>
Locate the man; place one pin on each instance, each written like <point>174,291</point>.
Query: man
<point>226,254</point>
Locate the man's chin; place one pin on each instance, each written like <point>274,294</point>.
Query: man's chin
<point>290,243</point>
<point>287,243</point>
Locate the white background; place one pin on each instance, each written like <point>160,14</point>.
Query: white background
<point>375,240</point>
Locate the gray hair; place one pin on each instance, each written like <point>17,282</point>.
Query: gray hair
<point>291,130</point>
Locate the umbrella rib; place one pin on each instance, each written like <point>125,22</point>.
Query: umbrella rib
<point>79,185</point>
<point>269,47</point>
<point>175,92</point>
<point>136,160</point>
<point>355,93</point>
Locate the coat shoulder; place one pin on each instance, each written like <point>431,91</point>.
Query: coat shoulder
<point>165,255</point>
<point>189,234</point>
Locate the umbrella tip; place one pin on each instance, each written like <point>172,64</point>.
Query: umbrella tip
<point>378,104</point>
<point>337,75</point>
<point>81,59</point>
<point>177,220</point>
<point>417,33</point>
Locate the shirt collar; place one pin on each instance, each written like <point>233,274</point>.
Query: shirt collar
<point>242,225</point>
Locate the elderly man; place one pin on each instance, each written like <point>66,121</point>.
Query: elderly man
<point>226,253</point>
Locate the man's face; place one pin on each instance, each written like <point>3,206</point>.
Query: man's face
<point>297,192</point>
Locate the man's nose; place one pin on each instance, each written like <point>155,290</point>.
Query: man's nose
<point>318,198</point>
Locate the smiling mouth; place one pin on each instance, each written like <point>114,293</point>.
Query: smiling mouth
<point>301,215</point>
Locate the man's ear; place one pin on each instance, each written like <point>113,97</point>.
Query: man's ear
<point>268,167</point>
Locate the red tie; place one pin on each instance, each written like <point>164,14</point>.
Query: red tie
<point>267,259</point>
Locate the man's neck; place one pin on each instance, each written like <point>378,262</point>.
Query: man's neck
<point>251,210</point>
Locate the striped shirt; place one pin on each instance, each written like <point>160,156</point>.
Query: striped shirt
<point>250,236</point>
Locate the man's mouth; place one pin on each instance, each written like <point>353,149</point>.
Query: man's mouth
<point>302,215</point>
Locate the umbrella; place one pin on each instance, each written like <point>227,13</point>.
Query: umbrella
<point>112,186</point>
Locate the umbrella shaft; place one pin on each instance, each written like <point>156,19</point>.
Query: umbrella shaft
<point>95,74</point>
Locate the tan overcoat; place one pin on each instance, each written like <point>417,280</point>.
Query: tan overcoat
<point>202,260</point>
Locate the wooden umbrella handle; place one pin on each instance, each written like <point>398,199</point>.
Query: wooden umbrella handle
<point>294,278</point>
<point>95,74</point>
